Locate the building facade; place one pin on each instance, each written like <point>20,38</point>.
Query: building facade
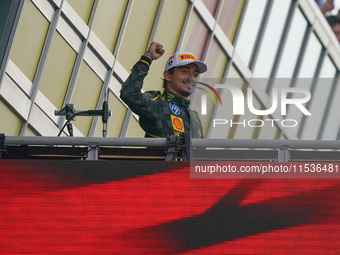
<point>59,52</point>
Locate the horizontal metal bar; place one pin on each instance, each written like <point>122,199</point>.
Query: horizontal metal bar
<point>87,141</point>
<point>159,142</point>
<point>266,143</point>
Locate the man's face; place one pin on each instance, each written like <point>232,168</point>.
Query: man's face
<point>183,80</point>
<point>336,30</point>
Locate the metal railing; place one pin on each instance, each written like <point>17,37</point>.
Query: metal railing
<point>201,149</point>
<point>157,142</point>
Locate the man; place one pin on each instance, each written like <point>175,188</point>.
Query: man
<point>334,22</point>
<point>167,113</point>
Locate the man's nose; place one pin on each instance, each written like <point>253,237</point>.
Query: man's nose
<point>193,81</point>
<point>192,75</point>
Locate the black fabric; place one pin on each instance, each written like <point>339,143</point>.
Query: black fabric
<point>160,114</point>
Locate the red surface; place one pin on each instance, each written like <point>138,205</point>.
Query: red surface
<point>49,208</point>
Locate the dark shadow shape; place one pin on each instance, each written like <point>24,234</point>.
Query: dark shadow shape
<point>45,175</point>
<point>227,220</point>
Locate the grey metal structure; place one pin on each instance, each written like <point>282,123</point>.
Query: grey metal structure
<point>202,149</point>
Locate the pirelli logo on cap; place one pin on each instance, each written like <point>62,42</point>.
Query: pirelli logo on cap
<point>177,123</point>
<point>187,57</point>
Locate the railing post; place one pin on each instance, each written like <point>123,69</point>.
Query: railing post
<point>282,155</point>
<point>92,153</point>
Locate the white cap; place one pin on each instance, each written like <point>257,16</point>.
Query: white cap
<point>185,58</point>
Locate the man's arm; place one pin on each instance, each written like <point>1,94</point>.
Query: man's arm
<point>131,91</point>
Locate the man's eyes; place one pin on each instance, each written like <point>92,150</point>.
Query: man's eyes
<point>187,71</point>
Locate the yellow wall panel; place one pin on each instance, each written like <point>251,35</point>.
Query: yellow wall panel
<point>58,70</point>
<point>168,32</point>
<point>134,129</point>
<point>211,5</point>
<point>30,131</point>
<point>216,61</point>
<point>107,21</point>
<point>196,37</point>
<point>11,122</point>
<point>82,7</point>
<point>85,96</point>
<point>137,32</point>
<point>29,40</point>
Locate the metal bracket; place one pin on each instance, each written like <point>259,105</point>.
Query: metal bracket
<point>93,153</point>
<point>178,144</point>
<point>172,148</point>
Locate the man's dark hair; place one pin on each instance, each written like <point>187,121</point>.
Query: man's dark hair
<point>333,20</point>
<point>171,71</point>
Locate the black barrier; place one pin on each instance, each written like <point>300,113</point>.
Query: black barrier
<point>2,144</point>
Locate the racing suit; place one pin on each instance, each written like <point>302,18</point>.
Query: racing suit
<point>160,114</point>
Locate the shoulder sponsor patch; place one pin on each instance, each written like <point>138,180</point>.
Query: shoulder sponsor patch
<point>177,123</point>
<point>175,109</point>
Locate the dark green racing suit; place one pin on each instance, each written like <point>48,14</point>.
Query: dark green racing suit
<point>160,114</point>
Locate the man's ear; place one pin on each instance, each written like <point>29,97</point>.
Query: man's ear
<point>166,75</point>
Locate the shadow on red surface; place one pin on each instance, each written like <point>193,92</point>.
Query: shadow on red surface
<point>106,207</point>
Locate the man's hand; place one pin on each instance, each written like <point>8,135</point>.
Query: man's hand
<point>155,51</point>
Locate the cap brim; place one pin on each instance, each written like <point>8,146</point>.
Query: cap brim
<point>202,67</point>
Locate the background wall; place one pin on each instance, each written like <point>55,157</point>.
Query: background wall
<point>72,51</point>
